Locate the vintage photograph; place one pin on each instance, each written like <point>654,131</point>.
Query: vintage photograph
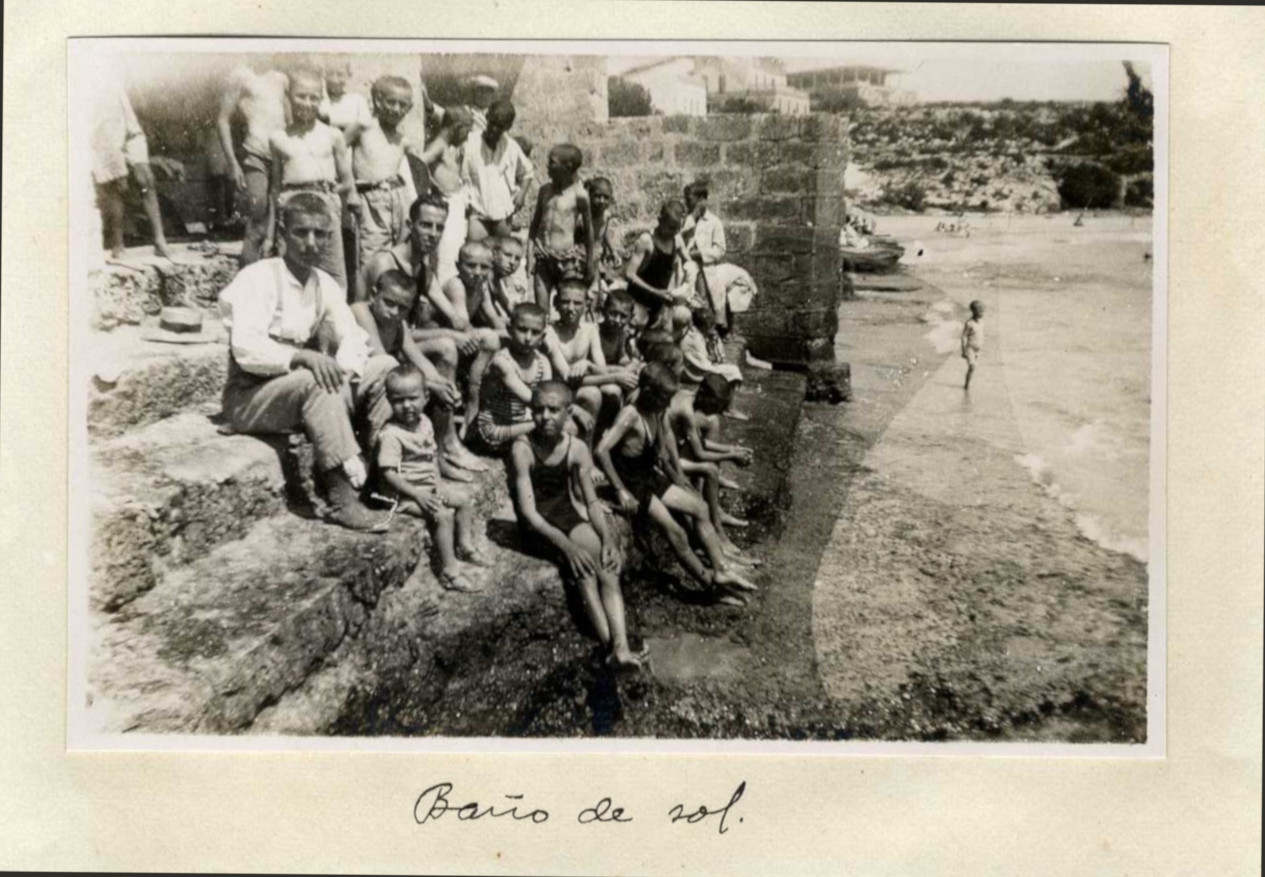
<point>759,392</point>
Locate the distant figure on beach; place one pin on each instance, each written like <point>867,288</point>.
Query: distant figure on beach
<point>973,340</point>
<point>560,516</point>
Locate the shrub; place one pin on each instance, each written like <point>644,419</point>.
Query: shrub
<point>1088,186</point>
<point>910,196</point>
<point>627,98</point>
<point>1140,193</point>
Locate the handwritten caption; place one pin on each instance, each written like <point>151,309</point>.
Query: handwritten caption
<point>439,801</point>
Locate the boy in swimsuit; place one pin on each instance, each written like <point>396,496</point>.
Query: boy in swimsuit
<point>655,269</point>
<point>579,359</point>
<point>405,455</point>
<point>562,219</point>
<point>513,372</point>
<point>551,476</point>
<point>381,172</point>
<point>614,334</point>
<point>695,419</point>
<point>639,456</point>
<point>382,318</point>
<point>310,156</point>
<point>464,304</point>
<point>256,94</point>
<point>973,340</point>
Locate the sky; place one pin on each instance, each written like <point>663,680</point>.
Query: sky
<point>981,72</point>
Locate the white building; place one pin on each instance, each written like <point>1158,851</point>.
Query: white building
<point>675,89</point>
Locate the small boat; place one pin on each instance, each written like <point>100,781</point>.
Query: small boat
<point>876,259</point>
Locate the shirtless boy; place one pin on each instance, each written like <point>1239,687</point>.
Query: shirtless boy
<point>551,476</point>
<point>508,287</point>
<point>464,304</point>
<point>639,456</point>
<point>655,269</point>
<point>310,156</point>
<point>579,345</point>
<point>380,169</point>
<point>405,455</point>
<point>563,217</point>
<point>257,94</point>
<point>613,332</point>
<point>439,344</point>
<point>382,318</point>
<point>973,340</point>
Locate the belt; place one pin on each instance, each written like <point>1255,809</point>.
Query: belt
<point>395,182</point>
<point>312,186</point>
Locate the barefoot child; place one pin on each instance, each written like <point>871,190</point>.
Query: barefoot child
<point>495,172</point>
<point>464,304</point>
<point>513,372</point>
<point>381,172</point>
<point>695,420</point>
<point>973,340</point>
<point>405,456</point>
<point>655,269</point>
<point>310,156</point>
<point>579,358</point>
<point>639,456</point>
<point>698,363</point>
<point>562,218</point>
<point>382,318</point>
<point>551,474</point>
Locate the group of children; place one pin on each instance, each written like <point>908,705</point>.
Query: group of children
<point>549,352</point>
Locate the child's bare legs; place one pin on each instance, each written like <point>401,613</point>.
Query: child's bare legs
<point>442,525</point>
<point>442,352</point>
<point>706,477</point>
<point>590,399</point>
<point>110,201</point>
<point>481,228</point>
<point>970,370</point>
<point>543,288</point>
<point>489,343</point>
<point>149,197</point>
<point>688,503</point>
<point>461,504</point>
<point>604,601</point>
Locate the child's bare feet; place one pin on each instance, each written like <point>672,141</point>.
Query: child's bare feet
<point>459,455</point>
<point>451,580</point>
<point>472,556</point>
<point>730,579</point>
<point>162,249</point>
<point>735,414</point>
<point>729,483</point>
<point>451,471</point>
<point>730,521</point>
<point>623,660</point>
<point>730,600</point>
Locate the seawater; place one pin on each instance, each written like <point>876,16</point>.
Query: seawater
<point>1070,329</point>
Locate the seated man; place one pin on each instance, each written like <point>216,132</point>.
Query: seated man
<point>275,310</point>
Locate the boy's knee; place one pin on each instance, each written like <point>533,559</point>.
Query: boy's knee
<point>445,350</point>
<point>489,341</point>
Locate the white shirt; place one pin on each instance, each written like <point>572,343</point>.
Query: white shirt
<point>709,237</point>
<point>351,108</point>
<point>269,315</point>
<point>494,176</point>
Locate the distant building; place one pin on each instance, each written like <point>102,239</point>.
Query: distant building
<point>681,85</point>
<point>675,90</point>
<point>871,86</point>
<point>758,81</point>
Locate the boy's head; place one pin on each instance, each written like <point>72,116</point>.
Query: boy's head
<point>564,162</point>
<point>550,407</point>
<point>457,122</point>
<point>337,74</point>
<point>392,99</point>
<point>483,91</point>
<point>696,196</point>
<point>601,193</point>
<point>507,255</point>
<point>977,309</point>
<point>682,320</point>
<point>714,396</point>
<point>617,311</point>
<point>656,385</point>
<point>306,229</point>
<point>406,391</point>
<point>392,297</point>
<point>666,354</point>
<point>570,299</point>
<point>305,92</point>
<point>653,336</point>
<point>500,120</point>
<point>474,263</point>
<point>527,327</point>
<point>671,218</point>
<point>426,217</point>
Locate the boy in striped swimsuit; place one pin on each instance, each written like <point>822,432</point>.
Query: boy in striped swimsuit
<point>514,371</point>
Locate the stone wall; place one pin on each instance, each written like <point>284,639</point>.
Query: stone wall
<point>776,183</point>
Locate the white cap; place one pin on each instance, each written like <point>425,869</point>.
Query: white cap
<point>482,81</point>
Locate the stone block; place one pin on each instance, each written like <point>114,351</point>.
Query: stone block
<point>779,349</point>
<point>772,268</point>
<point>677,124</point>
<point>777,127</point>
<point>829,182</point>
<point>739,238</point>
<point>751,154</point>
<point>822,126</point>
<point>656,151</point>
<point>771,209</point>
<point>724,126</point>
<point>697,155</point>
<point>729,182</point>
<point>788,179</point>
<point>815,324</point>
<point>829,212</point>
<point>625,154</point>
<point>829,381</point>
<point>784,239</point>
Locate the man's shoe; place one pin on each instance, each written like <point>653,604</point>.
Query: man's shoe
<point>346,509</point>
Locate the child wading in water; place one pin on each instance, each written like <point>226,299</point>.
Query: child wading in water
<point>973,340</point>
<point>551,473</point>
<point>562,218</point>
<point>406,457</point>
<point>639,456</point>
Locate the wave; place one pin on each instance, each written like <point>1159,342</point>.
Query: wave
<point>1090,526</point>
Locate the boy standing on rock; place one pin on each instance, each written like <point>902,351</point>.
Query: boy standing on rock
<point>973,340</point>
